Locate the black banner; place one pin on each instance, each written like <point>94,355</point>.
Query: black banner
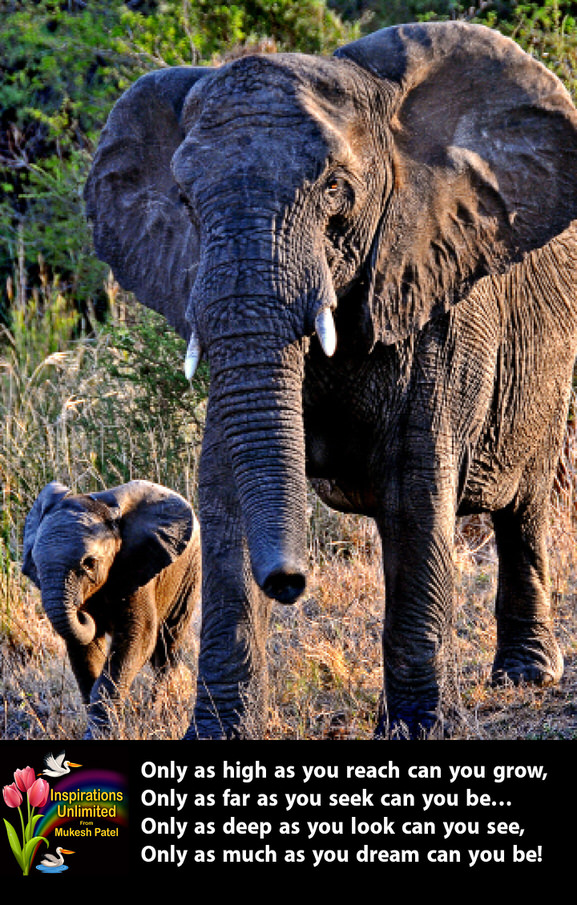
<point>172,809</point>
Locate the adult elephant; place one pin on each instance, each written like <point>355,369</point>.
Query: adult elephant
<point>408,201</point>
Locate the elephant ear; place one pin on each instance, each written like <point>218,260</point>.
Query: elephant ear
<point>49,497</point>
<point>483,141</point>
<point>141,228</point>
<point>155,524</point>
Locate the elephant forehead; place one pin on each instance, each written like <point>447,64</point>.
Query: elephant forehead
<point>272,112</point>
<point>72,531</point>
<point>250,152</point>
<point>276,83</point>
<point>241,90</point>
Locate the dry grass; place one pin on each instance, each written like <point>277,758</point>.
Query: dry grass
<point>324,653</point>
<point>325,658</point>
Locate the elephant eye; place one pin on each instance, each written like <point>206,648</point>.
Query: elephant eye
<point>89,564</point>
<point>184,202</point>
<point>338,194</point>
<point>334,186</point>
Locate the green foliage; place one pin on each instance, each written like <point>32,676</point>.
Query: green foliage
<point>153,410</point>
<point>548,31</point>
<point>62,66</point>
<point>382,13</point>
<point>56,87</point>
<point>45,325</point>
<point>308,26</point>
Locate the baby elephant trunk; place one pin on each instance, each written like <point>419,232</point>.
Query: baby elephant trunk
<point>61,599</point>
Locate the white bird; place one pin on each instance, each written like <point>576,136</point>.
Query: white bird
<point>55,860</point>
<point>57,766</point>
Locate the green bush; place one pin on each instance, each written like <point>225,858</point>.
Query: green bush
<point>62,66</point>
<point>57,84</point>
<point>308,26</point>
<point>548,31</point>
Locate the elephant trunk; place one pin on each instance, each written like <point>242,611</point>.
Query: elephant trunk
<point>260,410</point>
<point>61,599</point>
<point>252,306</point>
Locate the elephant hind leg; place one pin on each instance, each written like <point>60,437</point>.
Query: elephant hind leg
<point>172,631</point>
<point>166,654</point>
<point>526,646</point>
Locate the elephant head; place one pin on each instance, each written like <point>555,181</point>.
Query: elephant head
<point>281,208</point>
<point>75,544</point>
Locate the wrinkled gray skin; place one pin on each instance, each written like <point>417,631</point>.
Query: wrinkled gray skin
<point>420,185</point>
<point>124,562</point>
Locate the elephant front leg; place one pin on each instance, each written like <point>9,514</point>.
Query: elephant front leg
<point>133,641</point>
<point>231,694</point>
<point>526,646</point>
<point>421,694</point>
<point>87,661</point>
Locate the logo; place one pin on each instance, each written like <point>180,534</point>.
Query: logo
<point>69,814</point>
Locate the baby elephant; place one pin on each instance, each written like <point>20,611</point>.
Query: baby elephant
<point>123,562</point>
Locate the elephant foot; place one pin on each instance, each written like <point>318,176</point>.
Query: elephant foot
<point>213,733</point>
<point>97,733</point>
<point>102,717</point>
<point>228,712</point>
<point>414,722</point>
<point>93,736</point>
<point>212,724</point>
<point>538,661</point>
<point>415,727</point>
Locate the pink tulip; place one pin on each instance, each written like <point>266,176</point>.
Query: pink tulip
<point>38,793</point>
<point>24,778</point>
<point>12,795</point>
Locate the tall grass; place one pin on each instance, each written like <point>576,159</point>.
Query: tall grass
<point>92,406</point>
<point>96,405</point>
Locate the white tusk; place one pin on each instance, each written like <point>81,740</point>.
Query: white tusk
<point>326,331</point>
<point>193,355</point>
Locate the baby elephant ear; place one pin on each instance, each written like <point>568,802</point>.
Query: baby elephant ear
<point>141,228</point>
<point>481,140</point>
<point>156,524</point>
<point>49,497</point>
